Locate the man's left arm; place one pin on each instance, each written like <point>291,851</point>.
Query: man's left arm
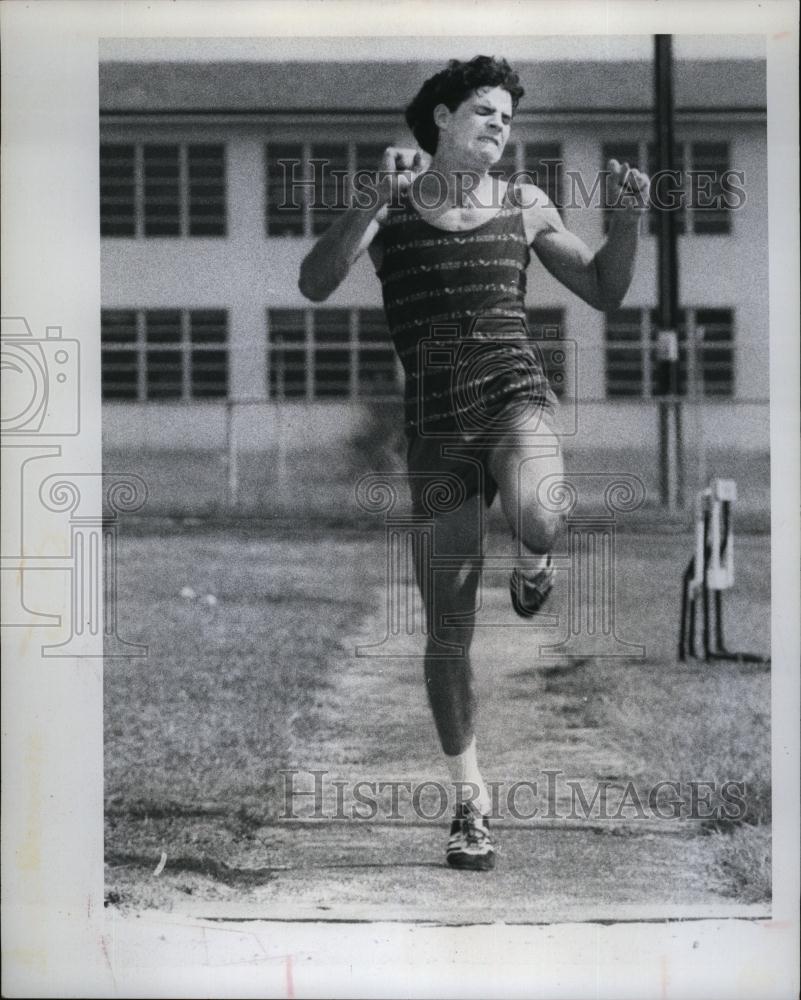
<point>601,279</point>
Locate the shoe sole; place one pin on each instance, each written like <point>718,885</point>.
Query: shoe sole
<point>477,863</point>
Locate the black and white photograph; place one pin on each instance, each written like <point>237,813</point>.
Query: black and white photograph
<point>415,521</point>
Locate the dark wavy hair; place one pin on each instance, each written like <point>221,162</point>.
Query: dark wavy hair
<point>451,87</point>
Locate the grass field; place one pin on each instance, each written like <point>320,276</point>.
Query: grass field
<point>266,679</point>
<point>193,483</point>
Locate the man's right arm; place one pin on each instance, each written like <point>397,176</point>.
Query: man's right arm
<point>327,264</point>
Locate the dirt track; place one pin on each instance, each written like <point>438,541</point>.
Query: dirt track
<point>367,720</point>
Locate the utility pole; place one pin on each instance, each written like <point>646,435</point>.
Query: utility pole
<point>667,343</point>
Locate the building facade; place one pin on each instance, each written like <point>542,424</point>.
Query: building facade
<point>217,178</point>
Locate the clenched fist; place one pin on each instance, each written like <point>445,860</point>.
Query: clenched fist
<point>626,187</point>
<point>399,167</point>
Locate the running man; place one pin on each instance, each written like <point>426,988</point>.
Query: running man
<point>450,244</point>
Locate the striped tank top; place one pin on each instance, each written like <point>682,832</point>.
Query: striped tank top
<point>454,303</point>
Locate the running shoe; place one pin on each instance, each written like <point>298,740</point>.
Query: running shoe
<point>529,593</point>
<point>470,845</point>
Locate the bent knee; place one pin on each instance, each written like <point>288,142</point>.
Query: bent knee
<point>538,528</point>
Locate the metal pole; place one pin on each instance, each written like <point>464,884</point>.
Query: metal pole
<point>231,446</point>
<point>695,394</point>
<point>668,263</point>
<point>281,396</point>
<point>670,444</point>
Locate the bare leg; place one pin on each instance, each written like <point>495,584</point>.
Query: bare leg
<point>458,535</point>
<point>519,467</point>
<point>450,592</point>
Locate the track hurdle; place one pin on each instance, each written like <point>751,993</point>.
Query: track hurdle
<point>710,572</point>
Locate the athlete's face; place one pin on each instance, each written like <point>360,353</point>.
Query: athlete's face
<point>476,132</point>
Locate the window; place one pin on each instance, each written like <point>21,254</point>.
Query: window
<point>543,160</point>
<point>706,353</point>
<point>117,190</point>
<point>710,161</point>
<point>309,184</point>
<point>547,328</point>
<point>330,354</point>
<point>624,354</point>
<point>695,195</point>
<point>206,179</point>
<point>715,350</point>
<point>208,346</point>
<point>164,354</point>
<point>286,358</point>
<point>284,202</point>
<point>329,170</point>
<point>120,354</point>
<point>162,190</point>
<point>159,189</point>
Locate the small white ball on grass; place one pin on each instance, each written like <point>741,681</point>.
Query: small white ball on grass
<point>188,593</point>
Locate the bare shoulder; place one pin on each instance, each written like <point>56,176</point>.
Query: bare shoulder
<point>539,212</point>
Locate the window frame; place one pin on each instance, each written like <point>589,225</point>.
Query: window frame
<point>693,363</point>
<point>357,349</point>
<point>185,346</point>
<point>184,200</point>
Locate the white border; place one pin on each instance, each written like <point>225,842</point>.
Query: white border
<point>54,941</point>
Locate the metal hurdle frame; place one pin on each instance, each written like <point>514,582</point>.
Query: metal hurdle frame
<point>711,569</point>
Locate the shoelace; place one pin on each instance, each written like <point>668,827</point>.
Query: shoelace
<point>475,834</point>
<point>541,575</point>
